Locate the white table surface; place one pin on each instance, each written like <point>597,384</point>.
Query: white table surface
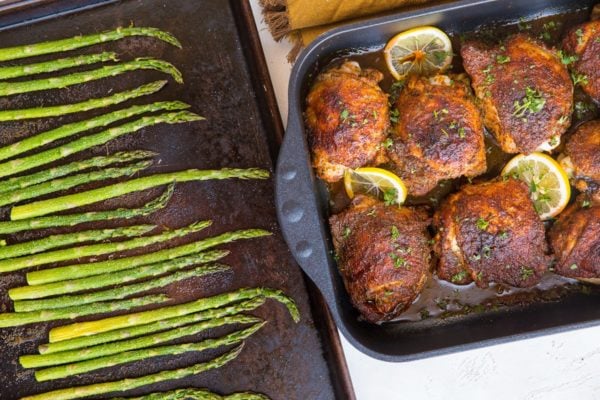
<point>563,366</point>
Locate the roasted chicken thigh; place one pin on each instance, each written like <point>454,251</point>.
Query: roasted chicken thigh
<point>490,232</point>
<point>383,255</point>
<point>525,90</point>
<point>575,239</point>
<point>583,41</point>
<point>581,157</point>
<point>347,117</point>
<point>438,135</point>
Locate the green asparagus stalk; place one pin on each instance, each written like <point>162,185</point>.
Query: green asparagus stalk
<point>57,46</point>
<point>111,266</point>
<point>108,324</point>
<point>22,182</point>
<point>196,394</point>
<point>135,331</point>
<point>45,157</point>
<point>104,280</point>
<point>69,182</point>
<point>51,242</point>
<point>133,383</point>
<point>54,111</point>
<point>18,319</point>
<point>11,88</point>
<point>160,202</point>
<point>64,131</point>
<point>17,71</point>
<point>153,339</point>
<point>116,293</point>
<point>63,371</point>
<point>119,189</point>
<point>15,264</point>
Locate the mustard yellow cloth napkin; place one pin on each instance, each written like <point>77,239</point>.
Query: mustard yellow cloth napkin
<point>304,20</point>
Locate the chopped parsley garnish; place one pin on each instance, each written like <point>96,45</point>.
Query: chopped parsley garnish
<point>344,114</point>
<point>398,261</point>
<point>586,204</point>
<point>395,232</point>
<point>563,120</point>
<point>579,79</point>
<point>579,34</point>
<point>526,273</point>
<point>567,59</point>
<point>461,132</point>
<point>387,143</point>
<point>394,115</point>
<point>554,140</point>
<point>502,59</point>
<point>573,267</point>
<point>523,26</point>
<point>346,232</point>
<point>390,196</point>
<point>487,251</point>
<point>459,277</point>
<point>533,102</point>
<point>438,114</point>
<point>482,224</point>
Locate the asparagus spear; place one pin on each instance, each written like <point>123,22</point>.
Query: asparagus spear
<point>108,324</point>
<point>50,242</point>
<point>54,111</point>
<point>16,71</point>
<point>116,293</point>
<point>196,394</point>
<point>69,182</point>
<point>45,157</point>
<point>110,266</point>
<point>153,339</point>
<point>101,281</point>
<point>10,88</point>
<point>21,182</point>
<point>160,202</point>
<point>132,383</point>
<point>18,319</point>
<point>93,196</point>
<point>63,371</point>
<point>56,46</point>
<point>134,331</point>
<point>15,264</point>
<point>64,131</point>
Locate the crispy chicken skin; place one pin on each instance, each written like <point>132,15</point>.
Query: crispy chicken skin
<point>581,157</point>
<point>506,78</point>
<point>490,232</point>
<point>584,42</point>
<point>439,133</point>
<point>347,117</point>
<point>575,239</point>
<point>383,255</point>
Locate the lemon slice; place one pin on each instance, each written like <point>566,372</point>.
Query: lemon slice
<point>376,182</point>
<point>548,182</point>
<point>424,51</point>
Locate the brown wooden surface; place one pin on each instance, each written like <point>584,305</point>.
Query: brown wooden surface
<point>284,360</point>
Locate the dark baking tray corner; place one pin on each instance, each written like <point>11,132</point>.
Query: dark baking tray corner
<point>302,203</point>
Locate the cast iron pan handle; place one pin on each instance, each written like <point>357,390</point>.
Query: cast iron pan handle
<point>298,210</point>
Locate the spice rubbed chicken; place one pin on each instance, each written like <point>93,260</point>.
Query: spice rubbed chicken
<point>490,232</point>
<point>526,92</point>
<point>439,133</point>
<point>347,117</point>
<point>581,157</point>
<point>383,255</point>
<point>583,42</point>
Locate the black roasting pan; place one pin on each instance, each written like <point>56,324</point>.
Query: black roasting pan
<point>302,201</point>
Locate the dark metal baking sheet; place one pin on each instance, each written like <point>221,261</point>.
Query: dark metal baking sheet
<point>302,203</point>
<point>284,360</point>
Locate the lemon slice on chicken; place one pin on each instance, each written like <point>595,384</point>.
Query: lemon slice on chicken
<point>423,51</point>
<point>376,182</point>
<point>548,182</point>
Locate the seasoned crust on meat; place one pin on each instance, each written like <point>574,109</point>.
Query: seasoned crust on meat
<point>584,42</point>
<point>582,156</point>
<point>383,255</point>
<point>347,117</point>
<point>502,75</point>
<point>439,133</point>
<point>490,232</point>
<point>575,239</point>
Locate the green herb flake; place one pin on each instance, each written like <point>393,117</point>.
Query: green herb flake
<point>390,196</point>
<point>566,58</point>
<point>573,267</point>
<point>394,115</point>
<point>344,114</point>
<point>424,313</point>
<point>394,232</point>
<point>579,79</point>
<point>502,59</point>
<point>482,224</point>
<point>526,273</point>
<point>503,235</point>
<point>346,232</point>
<point>487,251</point>
<point>533,102</point>
<point>579,34</point>
<point>586,204</point>
<point>563,120</point>
<point>459,277</point>
<point>398,261</point>
<point>388,143</point>
<point>461,132</point>
<point>523,25</point>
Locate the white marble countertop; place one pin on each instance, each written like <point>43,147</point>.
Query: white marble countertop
<point>563,366</point>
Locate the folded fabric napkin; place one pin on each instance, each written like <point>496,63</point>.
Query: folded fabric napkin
<point>303,20</point>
